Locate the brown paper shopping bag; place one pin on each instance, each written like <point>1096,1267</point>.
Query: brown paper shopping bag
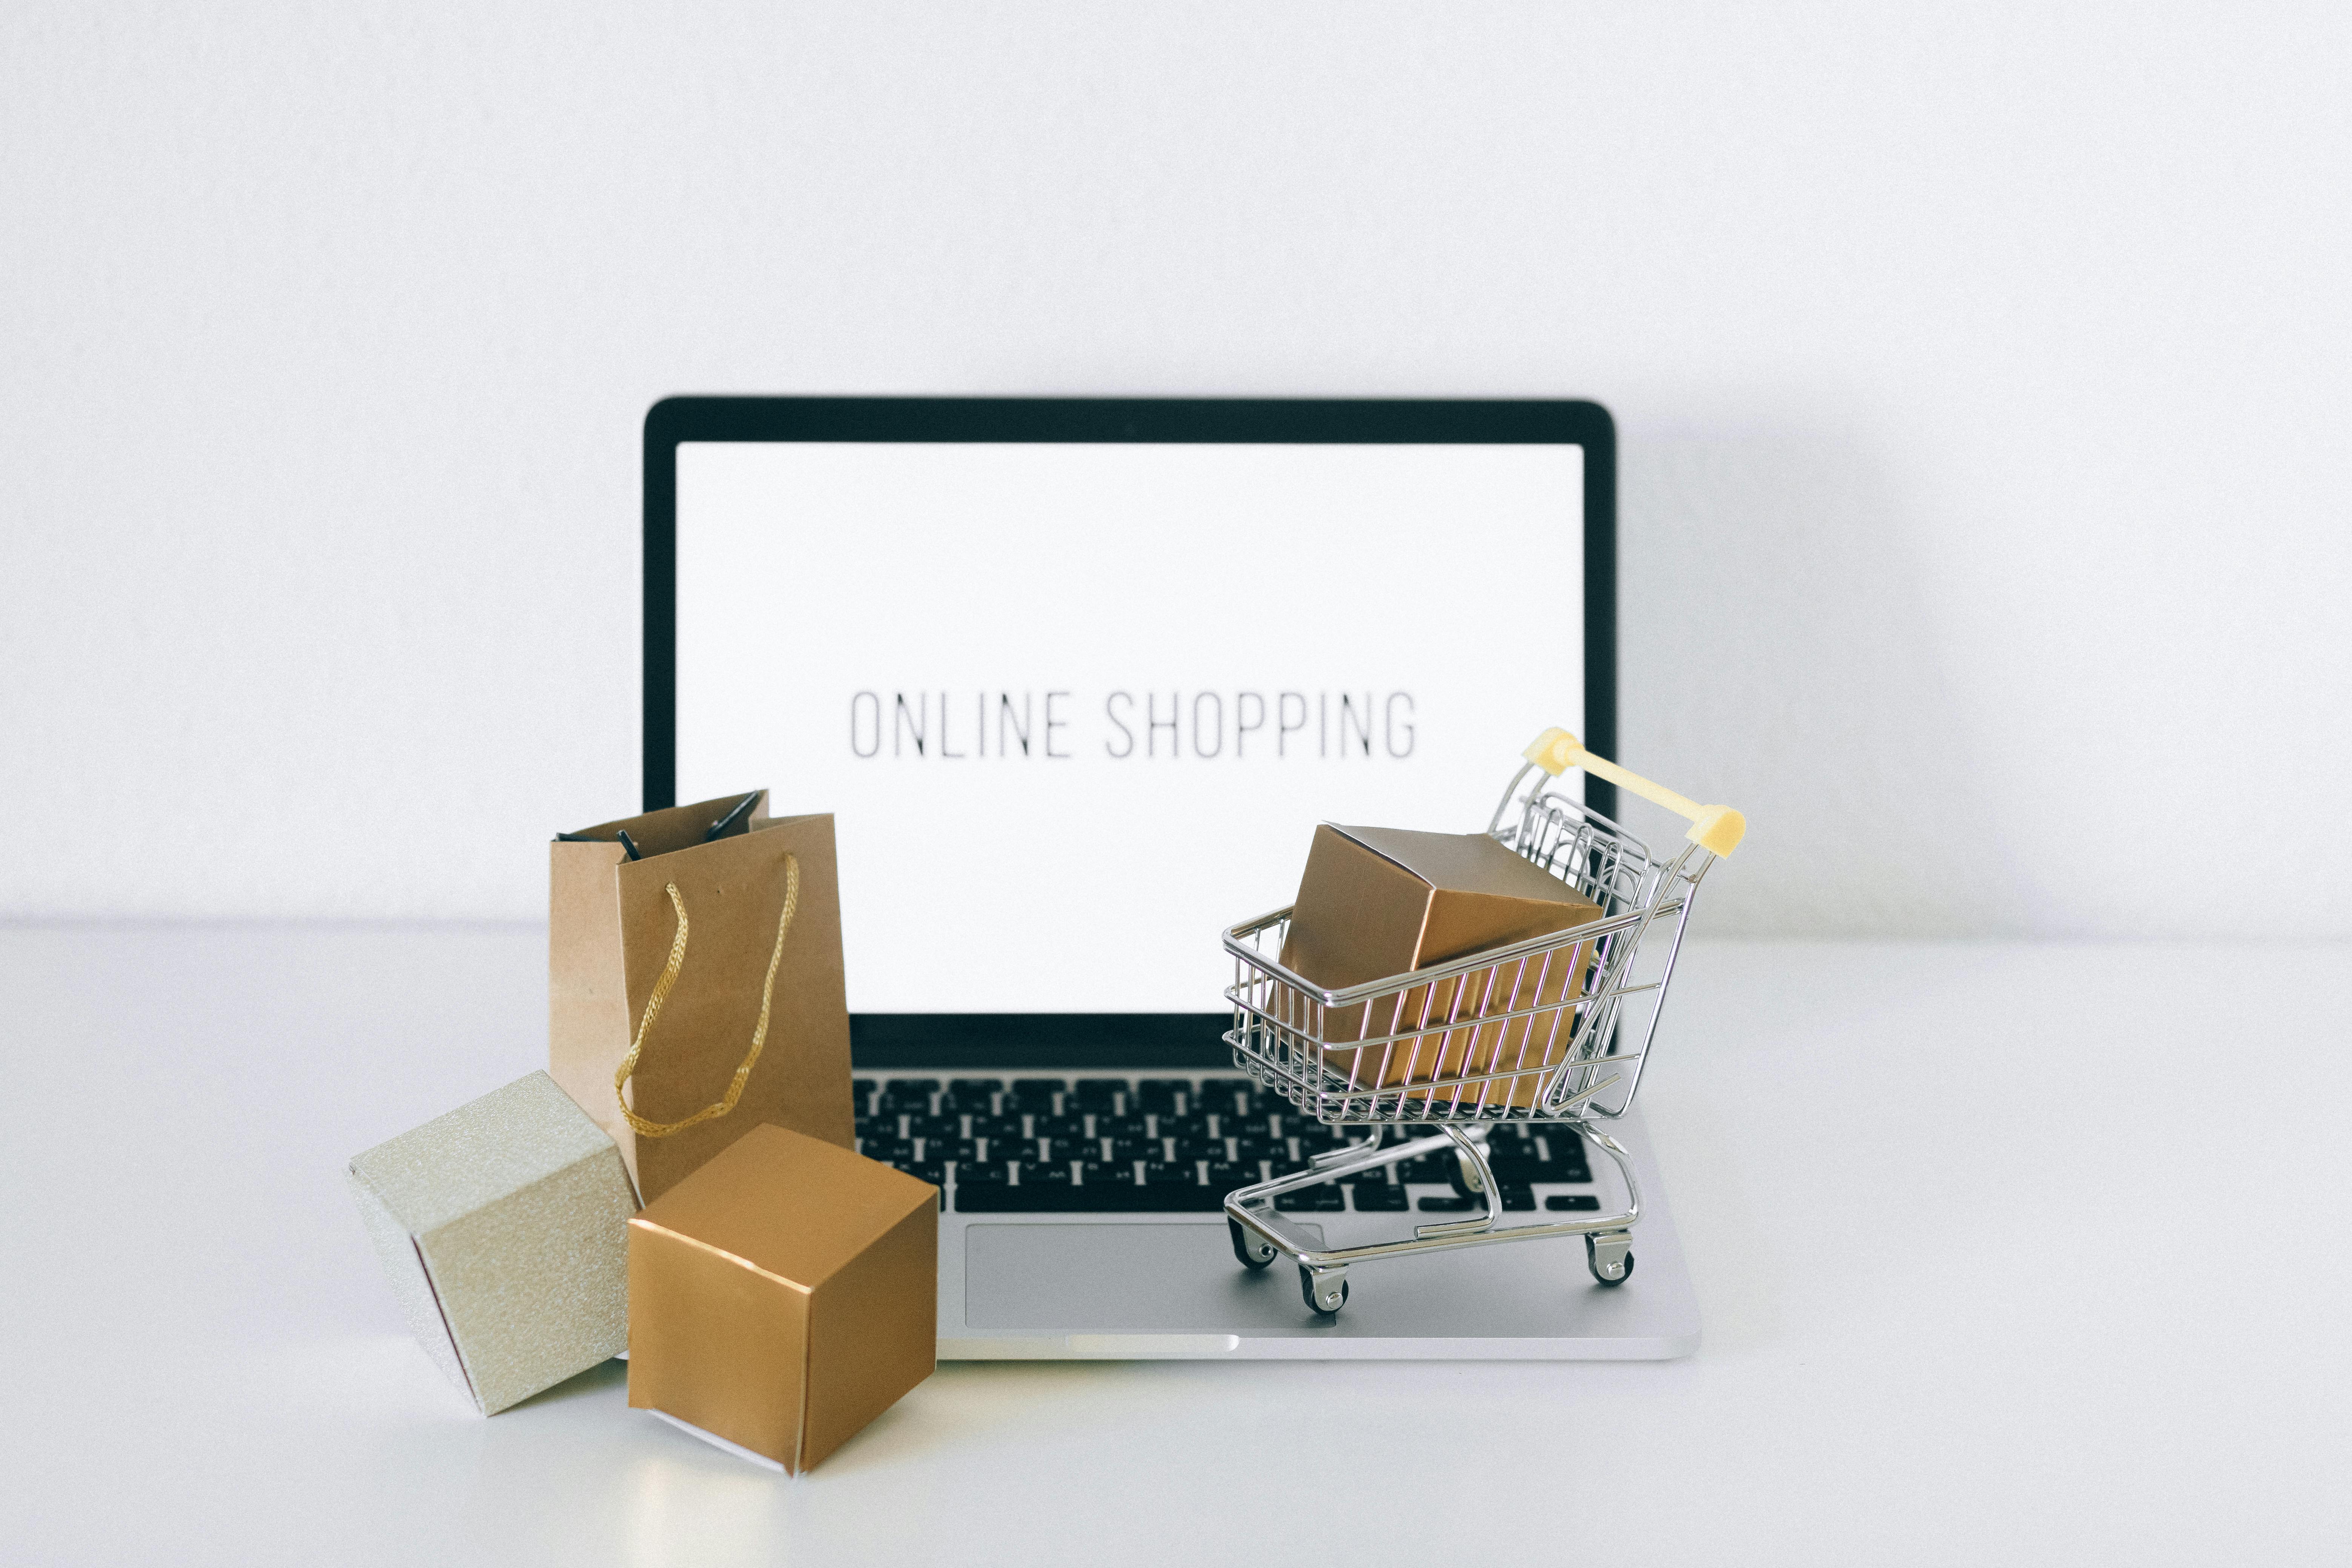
<point>695,991</point>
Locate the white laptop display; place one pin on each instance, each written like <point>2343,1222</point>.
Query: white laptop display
<point>1078,679</point>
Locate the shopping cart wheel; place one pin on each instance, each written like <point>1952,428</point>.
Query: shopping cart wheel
<point>1326,1289</point>
<point>1254,1251</point>
<point>1604,1253</point>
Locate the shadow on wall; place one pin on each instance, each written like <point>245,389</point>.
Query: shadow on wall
<point>1780,653</point>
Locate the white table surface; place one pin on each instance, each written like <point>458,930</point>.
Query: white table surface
<point>2004,1253</point>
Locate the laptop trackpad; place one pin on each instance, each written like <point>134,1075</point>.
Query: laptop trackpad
<point>1098,1278</point>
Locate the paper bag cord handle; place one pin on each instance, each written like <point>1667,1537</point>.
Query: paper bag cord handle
<point>711,1112</point>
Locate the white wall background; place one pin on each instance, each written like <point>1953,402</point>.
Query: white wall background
<point>1981,379</point>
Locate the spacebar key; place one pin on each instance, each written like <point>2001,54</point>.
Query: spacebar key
<point>1040,1190</point>
<point>1061,1197</point>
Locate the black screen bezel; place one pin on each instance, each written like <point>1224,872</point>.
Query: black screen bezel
<point>1107,1040</point>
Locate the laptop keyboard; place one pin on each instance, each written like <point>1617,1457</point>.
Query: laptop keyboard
<point>1171,1145</point>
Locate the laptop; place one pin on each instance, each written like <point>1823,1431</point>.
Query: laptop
<point>1078,678</point>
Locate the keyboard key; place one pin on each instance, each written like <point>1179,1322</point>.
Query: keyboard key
<point>1382,1198</point>
<point>1043,1188</point>
<point>1047,1126</point>
<point>1033,1094</point>
<point>1161,1094</point>
<point>1097,1093</point>
<point>1132,1148</point>
<point>934,1126</point>
<point>1102,1192</point>
<point>1176,1188</point>
<point>1448,1206</point>
<point>908,1093</point>
<point>1323,1199</point>
<point>1226,1096</point>
<point>1007,1128</point>
<point>1572,1203</point>
<point>1225,1178</point>
<point>1106,1186</point>
<point>889,1151</point>
<point>1516,1198</point>
<point>1196,1148</point>
<point>861,1093</point>
<point>1122,1126</point>
<point>1566,1160</point>
<point>987,1191</point>
<point>969,1094</point>
<point>1177,1197</point>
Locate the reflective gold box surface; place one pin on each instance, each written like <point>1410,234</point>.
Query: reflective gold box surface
<point>784,1294</point>
<point>1378,901</point>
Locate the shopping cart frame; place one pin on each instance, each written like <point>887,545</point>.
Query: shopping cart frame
<point>1280,1036</point>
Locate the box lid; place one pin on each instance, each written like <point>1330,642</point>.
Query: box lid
<point>790,1205</point>
<point>484,1151</point>
<point>1377,901</point>
<point>1464,862</point>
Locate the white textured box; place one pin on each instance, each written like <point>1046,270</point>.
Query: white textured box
<point>504,1227</point>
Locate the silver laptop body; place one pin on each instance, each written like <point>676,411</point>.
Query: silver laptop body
<point>1008,1110</point>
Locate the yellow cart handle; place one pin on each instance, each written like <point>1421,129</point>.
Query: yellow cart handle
<point>1714,828</point>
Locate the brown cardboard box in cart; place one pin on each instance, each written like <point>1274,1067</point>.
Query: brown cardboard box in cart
<point>709,967</point>
<point>1377,902</point>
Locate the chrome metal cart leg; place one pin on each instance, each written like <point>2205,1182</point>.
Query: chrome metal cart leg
<point>1470,1153</point>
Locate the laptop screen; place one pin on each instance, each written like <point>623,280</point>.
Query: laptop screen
<point>1078,706</point>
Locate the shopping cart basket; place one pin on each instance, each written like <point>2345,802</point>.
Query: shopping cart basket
<point>1439,1058</point>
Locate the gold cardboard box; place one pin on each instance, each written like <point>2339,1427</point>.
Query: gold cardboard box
<point>1377,901</point>
<point>784,1294</point>
<point>504,1227</point>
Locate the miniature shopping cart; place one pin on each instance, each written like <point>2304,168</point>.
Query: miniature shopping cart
<point>1439,1058</point>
